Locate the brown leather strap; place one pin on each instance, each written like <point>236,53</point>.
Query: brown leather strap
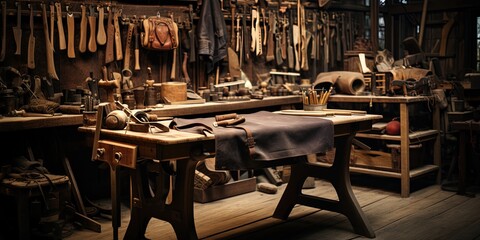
<point>250,142</point>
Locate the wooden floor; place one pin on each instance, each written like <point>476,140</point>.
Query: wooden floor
<point>429,213</point>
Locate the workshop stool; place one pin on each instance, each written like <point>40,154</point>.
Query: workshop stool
<point>24,188</point>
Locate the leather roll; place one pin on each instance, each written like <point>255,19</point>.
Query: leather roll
<point>345,82</point>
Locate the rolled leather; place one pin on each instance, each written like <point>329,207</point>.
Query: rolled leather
<point>345,82</point>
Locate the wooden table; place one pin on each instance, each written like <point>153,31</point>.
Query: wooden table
<point>186,149</point>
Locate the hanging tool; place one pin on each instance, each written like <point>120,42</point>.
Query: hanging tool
<point>17,30</point>
<point>238,29</point>
<point>127,72</point>
<point>232,31</point>
<point>173,72</point>
<point>101,35</point>
<point>92,22</point>
<point>290,53</point>
<point>4,30</point>
<point>31,42</point>
<point>48,46</point>
<point>272,23</point>
<point>82,45</point>
<point>118,35</point>
<point>137,49</point>
<point>71,34</point>
<point>109,57</point>
<point>61,34</point>
<point>284,37</point>
<point>52,24</point>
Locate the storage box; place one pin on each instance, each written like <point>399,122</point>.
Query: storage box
<point>390,161</point>
<point>229,189</point>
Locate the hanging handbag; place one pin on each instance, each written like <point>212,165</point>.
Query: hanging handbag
<point>161,34</point>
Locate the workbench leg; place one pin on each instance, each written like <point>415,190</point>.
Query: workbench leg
<point>339,176</point>
<point>182,205</point>
<point>340,179</point>
<point>22,215</point>
<point>291,193</point>
<point>179,213</point>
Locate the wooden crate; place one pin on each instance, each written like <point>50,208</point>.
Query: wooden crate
<point>229,189</point>
<point>389,161</point>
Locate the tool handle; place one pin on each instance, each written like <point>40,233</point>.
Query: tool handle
<point>92,41</point>
<point>61,32</point>
<point>52,24</point>
<point>118,36</point>
<point>71,35</point>
<point>110,35</point>
<point>82,45</point>
<point>101,35</point>
<point>31,44</point>
<point>48,47</point>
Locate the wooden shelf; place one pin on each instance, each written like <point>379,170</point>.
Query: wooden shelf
<point>384,173</point>
<point>415,137</point>
<point>405,139</point>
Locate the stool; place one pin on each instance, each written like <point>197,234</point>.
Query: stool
<point>22,189</point>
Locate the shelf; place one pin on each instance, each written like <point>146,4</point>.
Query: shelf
<point>377,99</point>
<point>413,172</point>
<point>415,137</point>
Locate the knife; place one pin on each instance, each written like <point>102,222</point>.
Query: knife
<point>17,31</point>
<point>31,43</point>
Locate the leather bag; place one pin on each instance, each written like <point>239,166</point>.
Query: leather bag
<point>160,34</point>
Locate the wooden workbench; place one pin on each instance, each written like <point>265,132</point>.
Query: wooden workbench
<point>156,151</point>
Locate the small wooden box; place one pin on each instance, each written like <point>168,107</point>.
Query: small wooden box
<point>389,161</point>
<point>229,189</point>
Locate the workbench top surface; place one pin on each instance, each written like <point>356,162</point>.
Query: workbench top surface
<point>379,99</point>
<point>176,137</point>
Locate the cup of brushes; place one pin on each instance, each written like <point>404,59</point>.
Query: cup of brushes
<point>315,99</point>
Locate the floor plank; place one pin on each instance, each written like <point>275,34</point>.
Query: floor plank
<point>429,213</point>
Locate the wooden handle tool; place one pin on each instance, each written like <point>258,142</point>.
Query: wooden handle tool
<point>92,22</point>
<point>52,24</point>
<point>61,33</point>
<point>118,36</point>
<point>71,35</point>
<point>17,30</point>
<point>110,36</point>
<point>48,47</point>
<point>101,35</point>
<point>137,49</point>
<point>126,72</point>
<point>4,30</point>
<point>173,72</point>
<point>31,43</point>
<point>82,45</point>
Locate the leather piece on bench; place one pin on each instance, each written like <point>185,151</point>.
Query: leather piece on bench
<point>276,137</point>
